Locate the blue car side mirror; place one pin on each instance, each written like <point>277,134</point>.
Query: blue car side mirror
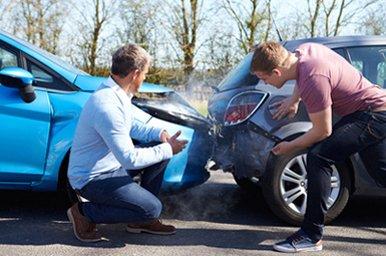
<point>21,79</point>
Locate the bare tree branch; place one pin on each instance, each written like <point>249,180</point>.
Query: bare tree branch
<point>249,20</point>
<point>91,26</point>
<point>185,21</point>
<point>40,22</point>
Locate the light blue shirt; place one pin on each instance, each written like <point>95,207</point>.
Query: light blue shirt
<point>102,141</point>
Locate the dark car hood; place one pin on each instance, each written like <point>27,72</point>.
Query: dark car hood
<point>170,106</point>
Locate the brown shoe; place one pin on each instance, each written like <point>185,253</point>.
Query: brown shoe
<point>154,227</point>
<point>84,230</point>
<point>92,227</point>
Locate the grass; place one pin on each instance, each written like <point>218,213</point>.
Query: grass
<point>201,106</point>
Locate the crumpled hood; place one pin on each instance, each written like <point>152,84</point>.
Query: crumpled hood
<point>91,83</point>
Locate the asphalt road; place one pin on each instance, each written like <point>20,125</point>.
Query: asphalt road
<point>216,218</point>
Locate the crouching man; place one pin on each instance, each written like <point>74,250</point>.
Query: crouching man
<point>103,158</point>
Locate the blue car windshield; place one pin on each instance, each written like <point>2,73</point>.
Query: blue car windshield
<point>239,76</point>
<point>47,55</point>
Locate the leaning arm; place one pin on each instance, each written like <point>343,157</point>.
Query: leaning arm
<point>321,129</point>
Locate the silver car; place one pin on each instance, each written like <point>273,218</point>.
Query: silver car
<point>241,110</point>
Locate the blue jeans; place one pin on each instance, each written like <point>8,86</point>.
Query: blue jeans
<point>115,198</point>
<point>363,132</point>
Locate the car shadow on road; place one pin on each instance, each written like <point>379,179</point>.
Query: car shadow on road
<point>240,220</point>
<point>360,212</point>
<point>33,218</point>
<point>228,203</point>
<point>221,203</point>
<point>242,239</point>
<point>28,218</point>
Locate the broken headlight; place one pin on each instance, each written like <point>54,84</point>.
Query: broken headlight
<point>242,106</point>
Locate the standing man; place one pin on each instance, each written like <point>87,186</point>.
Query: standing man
<point>103,158</point>
<point>326,83</point>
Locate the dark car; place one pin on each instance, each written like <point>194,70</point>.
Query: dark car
<point>245,132</point>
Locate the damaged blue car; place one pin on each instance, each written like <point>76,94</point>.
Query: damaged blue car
<point>41,98</point>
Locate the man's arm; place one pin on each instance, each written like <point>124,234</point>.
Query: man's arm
<point>321,129</point>
<point>295,95</point>
<point>142,131</point>
<point>111,126</point>
<point>145,132</point>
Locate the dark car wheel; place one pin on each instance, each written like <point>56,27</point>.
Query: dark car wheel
<point>285,188</point>
<point>247,184</point>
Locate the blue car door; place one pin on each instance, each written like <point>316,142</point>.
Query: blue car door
<point>24,131</point>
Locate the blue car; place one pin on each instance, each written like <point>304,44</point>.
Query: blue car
<point>41,98</point>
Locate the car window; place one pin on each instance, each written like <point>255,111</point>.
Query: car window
<point>57,60</point>
<point>340,51</point>
<point>7,58</point>
<point>371,61</point>
<point>45,78</point>
<point>41,75</point>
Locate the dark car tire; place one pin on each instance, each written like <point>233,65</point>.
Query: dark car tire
<point>66,192</point>
<point>271,191</point>
<point>247,184</point>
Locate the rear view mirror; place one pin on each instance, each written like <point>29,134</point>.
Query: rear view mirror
<point>21,79</point>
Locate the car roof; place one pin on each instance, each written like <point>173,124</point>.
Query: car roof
<point>337,41</point>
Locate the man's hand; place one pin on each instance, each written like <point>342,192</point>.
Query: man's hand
<point>283,148</point>
<point>164,136</point>
<point>287,107</point>
<point>177,145</point>
<point>321,129</point>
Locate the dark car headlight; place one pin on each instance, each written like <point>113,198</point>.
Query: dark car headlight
<point>242,106</point>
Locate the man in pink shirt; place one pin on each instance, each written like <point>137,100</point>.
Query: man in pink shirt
<point>327,84</point>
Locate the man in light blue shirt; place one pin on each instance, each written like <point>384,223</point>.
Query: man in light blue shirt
<point>104,159</point>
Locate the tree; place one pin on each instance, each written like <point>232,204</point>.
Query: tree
<point>139,19</point>
<point>5,7</point>
<point>325,17</point>
<point>250,17</point>
<point>91,26</point>
<point>40,22</point>
<point>345,11</point>
<point>313,16</point>
<point>374,21</point>
<point>184,22</point>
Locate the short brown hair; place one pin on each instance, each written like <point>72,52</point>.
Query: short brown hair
<point>268,56</point>
<point>129,58</point>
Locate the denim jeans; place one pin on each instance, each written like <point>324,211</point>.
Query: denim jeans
<point>115,198</point>
<point>363,132</point>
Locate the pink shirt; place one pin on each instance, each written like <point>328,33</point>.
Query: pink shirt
<point>326,79</point>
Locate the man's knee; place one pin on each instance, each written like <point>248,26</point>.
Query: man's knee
<point>317,155</point>
<point>153,208</point>
<point>162,165</point>
<point>312,157</point>
<point>158,167</point>
<point>315,161</point>
<point>318,166</point>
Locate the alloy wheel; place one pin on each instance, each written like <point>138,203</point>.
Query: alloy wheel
<point>293,184</point>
